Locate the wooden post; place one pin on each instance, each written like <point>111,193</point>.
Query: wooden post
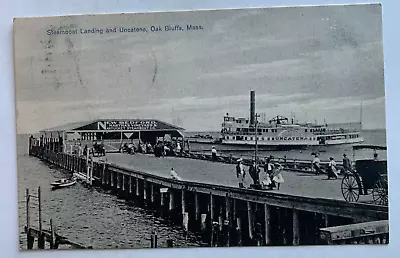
<point>183,204</point>
<point>211,219</point>
<point>137,186</point>
<point>238,231</point>
<point>123,182</point>
<point>91,173</point>
<point>171,200</point>
<point>267,239</point>
<point>185,221</point>
<point>30,238</point>
<point>28,224</point>
<point>162,199</point>
<point>144,190</point>
<point>196,206</point>
<point>250,220</point>
<point>203,222</point>
<point>296,230</point>
<point>151,192</point>
<point>112,178</point>
<point>130,184</point>
<point>228,219</point>
<point>41,236</point>
<point>102,175</point>
<point>53,237</point>
<point>118,180</point>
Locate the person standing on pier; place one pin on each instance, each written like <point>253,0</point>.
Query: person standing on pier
<point>316,164</point>
<point>240,173</point>
<point>178,148</point>
<point>332,172</point>
<point>346,164</point>
<point>214,153</point>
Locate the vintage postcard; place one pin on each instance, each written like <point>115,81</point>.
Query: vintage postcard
<point>241,127</point>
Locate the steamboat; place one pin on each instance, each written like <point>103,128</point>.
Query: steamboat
<point>281,132</point>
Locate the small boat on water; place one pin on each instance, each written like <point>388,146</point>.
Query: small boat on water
<point>62,183</point>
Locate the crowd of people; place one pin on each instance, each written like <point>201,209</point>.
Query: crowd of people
<point>271,178</point>
<point>160,149</point>
<point>332,170</point>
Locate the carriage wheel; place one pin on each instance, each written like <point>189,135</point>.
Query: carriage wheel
<point>350,188</point>
<point>380,193</point>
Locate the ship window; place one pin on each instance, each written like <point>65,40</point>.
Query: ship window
<point>247,121</point>
<point>267,138</point>
<point>272,138</point>
<point>266,130</point>
<point>305,130</point>
<point>245,138</point>
<point>262,138</point>
<point>233,137</point>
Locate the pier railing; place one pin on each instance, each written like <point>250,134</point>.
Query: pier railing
<point>223,215</point>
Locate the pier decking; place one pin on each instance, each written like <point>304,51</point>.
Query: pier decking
<point>222,213</point>
<point>201,171</point>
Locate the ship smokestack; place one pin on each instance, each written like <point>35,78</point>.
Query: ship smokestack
<point>252,107</point>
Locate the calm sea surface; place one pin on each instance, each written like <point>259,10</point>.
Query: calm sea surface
<point>95,217</point>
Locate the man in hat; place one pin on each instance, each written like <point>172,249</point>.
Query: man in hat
<point>240,173</point>
<point>346,163</point>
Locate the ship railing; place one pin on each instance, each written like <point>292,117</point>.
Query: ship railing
<point>298,165</point>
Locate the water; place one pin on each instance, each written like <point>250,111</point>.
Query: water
<point>374,137</point>
<point>88,216</point>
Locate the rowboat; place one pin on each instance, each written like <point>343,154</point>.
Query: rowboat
<point>62,183</point>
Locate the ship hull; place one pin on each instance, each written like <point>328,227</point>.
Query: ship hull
<point>291,144</point>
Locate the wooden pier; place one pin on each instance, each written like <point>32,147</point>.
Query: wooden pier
<point>230,216</point>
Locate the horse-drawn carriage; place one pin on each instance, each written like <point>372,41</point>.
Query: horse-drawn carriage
<point>368,176</point>
<point>99,149</point>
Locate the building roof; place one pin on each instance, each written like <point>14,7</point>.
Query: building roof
<point>115,125</point>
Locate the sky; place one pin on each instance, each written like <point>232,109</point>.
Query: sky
<point>318,62</point>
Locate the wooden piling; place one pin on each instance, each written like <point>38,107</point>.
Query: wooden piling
<point>162,199</point>
<point>228,219</point>
<point>112,179</point>
<point>203,222</point>
<point>118,181</point>
<point>137,186</point>
<point>41,241</point>
<point>250,220</point>
<point>171,200</point>
<point>53,237</point>
<point>130,184</point>
<point>296,227</point>
<point>211,219</point>
<point>196,207</point>
<point>151,192</point>
<point>144,190</point>
<point>123,182</point>
<point>267,239</point>
<point>185,221</point>
<point>239,232</point>
<point>183,204</point>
